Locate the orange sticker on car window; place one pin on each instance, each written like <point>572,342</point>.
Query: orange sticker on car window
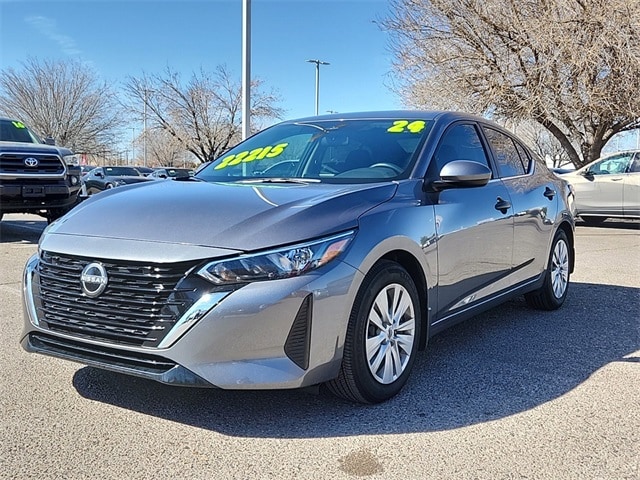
<point>250,155</point>
<point>400,126</point>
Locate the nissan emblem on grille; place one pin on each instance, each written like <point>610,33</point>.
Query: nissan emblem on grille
<point>31,162</point>
<point>93,279</point>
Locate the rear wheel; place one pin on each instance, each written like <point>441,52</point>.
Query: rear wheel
<point>556,280</point>
<point>382,337</point>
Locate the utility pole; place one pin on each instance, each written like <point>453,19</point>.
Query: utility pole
<point>318,63</point>
<point>144,129</point>
<point>133,147</point>
<point>246,68</point>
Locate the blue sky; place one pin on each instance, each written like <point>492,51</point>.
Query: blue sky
<point>118,38</point>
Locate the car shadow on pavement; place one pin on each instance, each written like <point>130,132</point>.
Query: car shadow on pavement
<point>503,362</point>
<point>21,231</point>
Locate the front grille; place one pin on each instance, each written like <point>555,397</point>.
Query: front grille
<point>13,164</point>
<point>140,364</point>
<point>140,305</point>
<point>100,355</point>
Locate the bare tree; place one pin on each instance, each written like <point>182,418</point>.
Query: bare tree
<point>570,65</point>
<point>163,149</point>
<point>204,114</point>
<point>540,141</point>
<point>62,99</point>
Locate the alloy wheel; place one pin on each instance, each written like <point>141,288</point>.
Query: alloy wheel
<point>560,269</point>
<point>390,333</point>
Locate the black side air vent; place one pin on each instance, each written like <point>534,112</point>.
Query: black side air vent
<point>298,342</point>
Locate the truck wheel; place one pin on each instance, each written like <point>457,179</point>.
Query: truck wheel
<point>55,213</point>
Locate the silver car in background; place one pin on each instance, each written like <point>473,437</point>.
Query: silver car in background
<point>325,250</point>
<point>608,187</point>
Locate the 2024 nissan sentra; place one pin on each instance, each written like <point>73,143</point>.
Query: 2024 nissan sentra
<point>325,250</point>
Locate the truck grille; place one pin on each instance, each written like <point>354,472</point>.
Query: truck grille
<point>14,164</point>
<point>139,306</point>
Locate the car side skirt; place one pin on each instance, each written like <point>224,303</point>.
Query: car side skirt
<point>440,324</point>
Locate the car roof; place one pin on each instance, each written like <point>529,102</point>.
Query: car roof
<point>393,114</point>
<point>619,152</point>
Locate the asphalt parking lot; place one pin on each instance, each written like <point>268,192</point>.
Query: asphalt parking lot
<point>513,393</point>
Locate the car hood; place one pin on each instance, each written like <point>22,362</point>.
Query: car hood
<point>222,215</point>
<point>42,148</point>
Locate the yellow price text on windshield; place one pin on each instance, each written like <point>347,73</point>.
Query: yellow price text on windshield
<point>18,125</point>
<point>400,126</point>
<point>251,155</point>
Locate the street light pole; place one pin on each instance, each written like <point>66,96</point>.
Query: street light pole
<point>133,148</point>
<point>318,63</point>
<point>144,130</point>
<point>246,68</point>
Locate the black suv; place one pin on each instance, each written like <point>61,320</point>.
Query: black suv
<point>34,174</point>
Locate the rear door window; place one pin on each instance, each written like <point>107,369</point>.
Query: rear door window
<point>505,153</point>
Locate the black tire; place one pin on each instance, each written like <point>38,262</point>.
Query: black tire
<point>357,381</point>
<point>55,213</point>
<point>554,290</point>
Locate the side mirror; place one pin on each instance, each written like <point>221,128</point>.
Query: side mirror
<point>49,141</point>
<point>100,174</point>
<point>462,174</point>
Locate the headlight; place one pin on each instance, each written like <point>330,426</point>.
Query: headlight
<point>274,264</point>
<point>70,159</point>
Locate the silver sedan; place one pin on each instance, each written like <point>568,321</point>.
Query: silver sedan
<point>325,250</point>
<point>608,187</point>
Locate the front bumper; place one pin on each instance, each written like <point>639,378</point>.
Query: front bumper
<point>25,198</point>
<point>277,334</point>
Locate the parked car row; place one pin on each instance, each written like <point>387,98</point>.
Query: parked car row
<point>97,179</point>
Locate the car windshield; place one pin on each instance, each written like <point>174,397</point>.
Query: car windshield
<point>335,151</point>
<point>15,131</point>
<point>179,172</point>
<point>121,172</point>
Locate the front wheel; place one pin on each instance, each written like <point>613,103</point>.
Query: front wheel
<point>382,337</point>
<point>55,213</point>
<point>556,278</point>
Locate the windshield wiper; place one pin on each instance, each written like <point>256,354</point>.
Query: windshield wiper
<point>280,180</point>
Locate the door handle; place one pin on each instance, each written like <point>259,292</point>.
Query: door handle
<point>616,179</point>
<point>549,193</point>
<point>502,205</point>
